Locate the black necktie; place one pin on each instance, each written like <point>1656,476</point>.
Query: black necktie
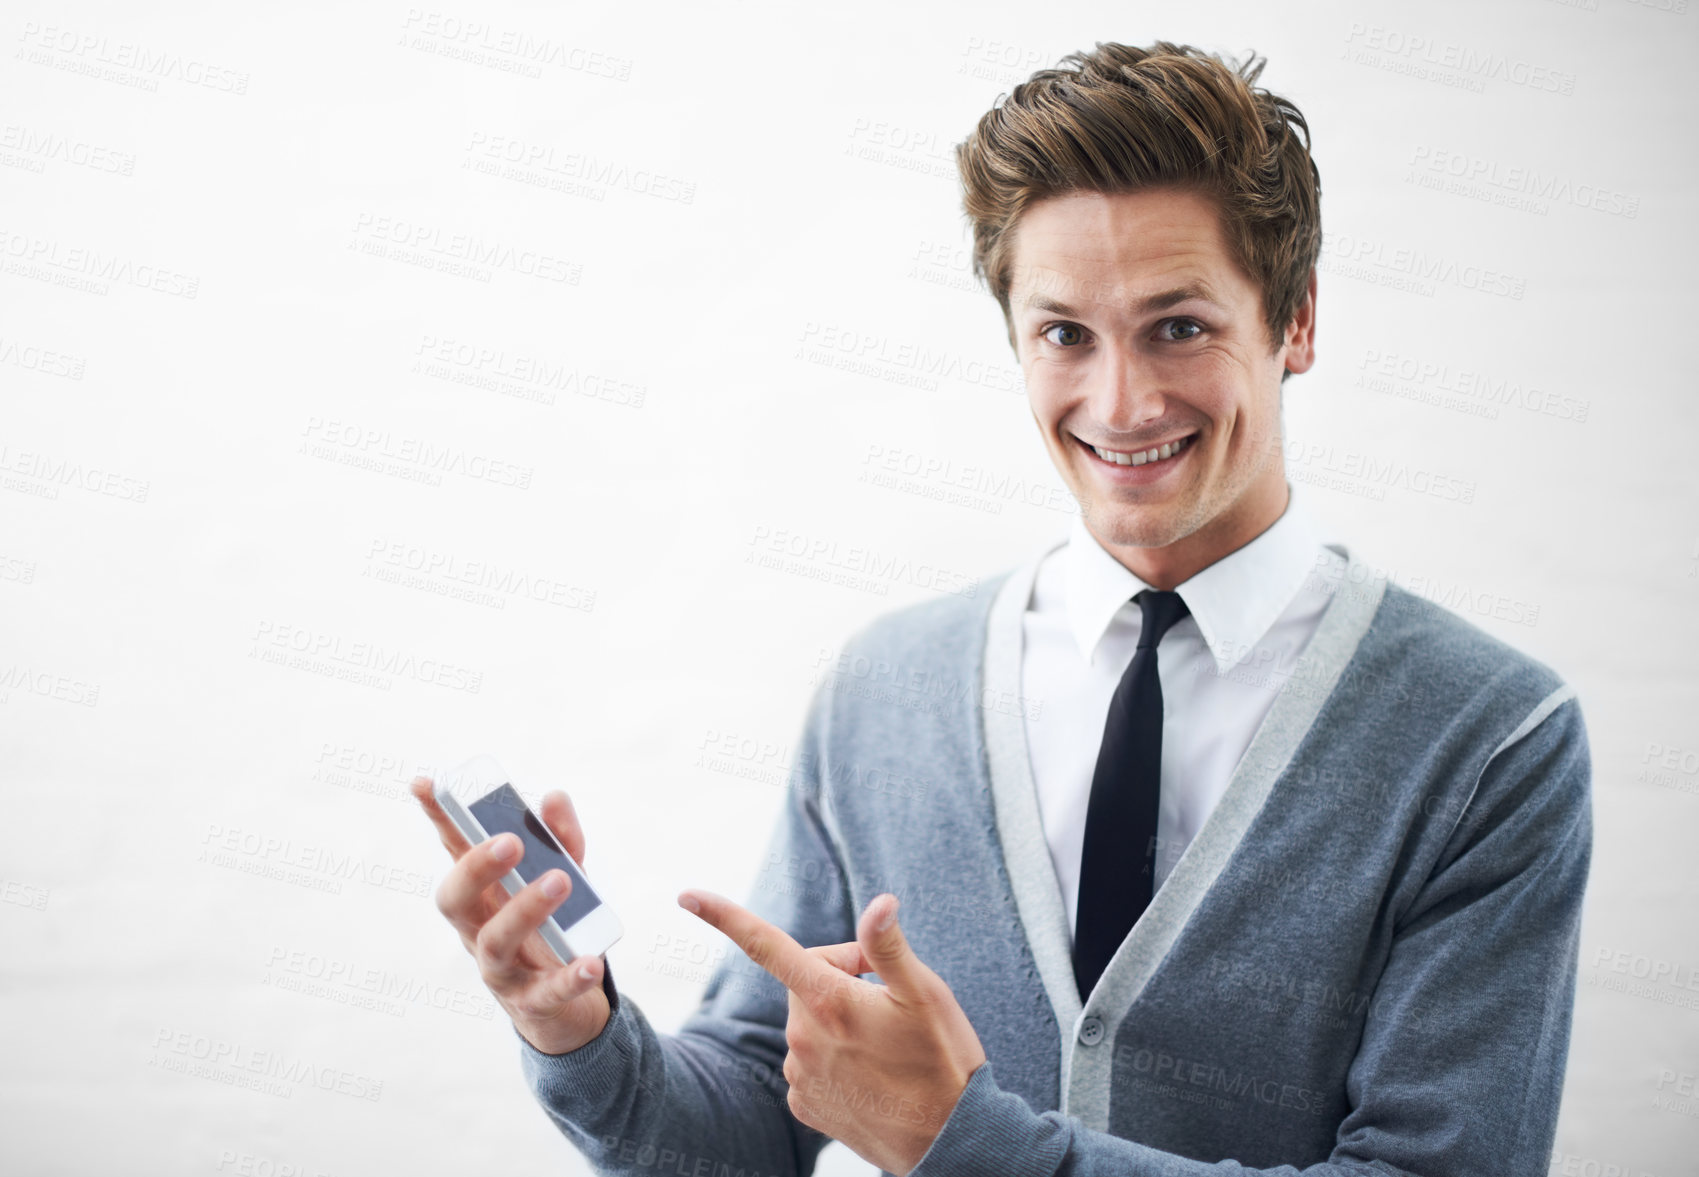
<point>1118,864</point>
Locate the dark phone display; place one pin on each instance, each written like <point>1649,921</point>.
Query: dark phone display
<point>503,810</point>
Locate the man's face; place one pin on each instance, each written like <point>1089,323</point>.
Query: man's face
<point>1136,329</point>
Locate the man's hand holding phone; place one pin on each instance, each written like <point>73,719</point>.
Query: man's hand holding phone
<point>556,1007</point>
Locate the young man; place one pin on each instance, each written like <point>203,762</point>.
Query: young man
<point>1269,866</point>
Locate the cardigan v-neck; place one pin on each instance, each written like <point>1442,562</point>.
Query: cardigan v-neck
<point>1249,616</point>
<point>1043,913</point>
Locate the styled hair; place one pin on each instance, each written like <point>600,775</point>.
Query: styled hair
<point>1120,119</point>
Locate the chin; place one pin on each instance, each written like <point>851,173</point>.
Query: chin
<point>1134,527</point>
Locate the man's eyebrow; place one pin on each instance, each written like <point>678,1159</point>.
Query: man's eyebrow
<point>1160,301</point>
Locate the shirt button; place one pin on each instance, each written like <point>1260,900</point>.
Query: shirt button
<point>1091,1031</point>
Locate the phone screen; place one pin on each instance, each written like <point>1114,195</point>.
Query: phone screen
<point>503,810</point>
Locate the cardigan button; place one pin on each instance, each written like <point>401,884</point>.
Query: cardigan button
<point>1091,1031</point>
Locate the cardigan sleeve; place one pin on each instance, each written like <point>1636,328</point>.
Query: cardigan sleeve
<point>711,1098</point>
<point>1461,1064</point>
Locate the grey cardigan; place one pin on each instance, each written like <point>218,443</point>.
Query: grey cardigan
<point>1364,963</point>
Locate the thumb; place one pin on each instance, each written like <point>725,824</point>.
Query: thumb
<point>887,950</point>
<point>557,809</point>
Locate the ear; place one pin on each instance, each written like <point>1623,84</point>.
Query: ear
<point>1300,340</point>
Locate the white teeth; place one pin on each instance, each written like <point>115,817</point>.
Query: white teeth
<point>1140,458</point>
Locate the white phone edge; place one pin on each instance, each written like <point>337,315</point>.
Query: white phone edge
<point>597,931</point>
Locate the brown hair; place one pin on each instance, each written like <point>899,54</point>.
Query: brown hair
<point>1170,115</point>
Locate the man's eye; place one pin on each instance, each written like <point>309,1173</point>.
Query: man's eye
<point>1071,334</point>
<point>1191,326</point>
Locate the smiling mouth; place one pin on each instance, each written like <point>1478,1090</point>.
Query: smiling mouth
<point>1160,453</point>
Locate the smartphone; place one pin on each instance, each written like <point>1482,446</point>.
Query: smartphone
<point>480,799</point>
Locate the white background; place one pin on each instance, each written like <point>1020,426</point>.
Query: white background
<point>732,201</point>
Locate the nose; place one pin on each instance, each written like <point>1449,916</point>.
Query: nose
<point>1124,390</point>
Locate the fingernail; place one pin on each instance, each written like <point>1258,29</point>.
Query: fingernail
<point>586,972</point>
<point>506,848</point>
<point>554,885</point>
<point>689,904</point>
<point>886,920</point>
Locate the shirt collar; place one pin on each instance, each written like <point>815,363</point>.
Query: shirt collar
<point>1235,601</point>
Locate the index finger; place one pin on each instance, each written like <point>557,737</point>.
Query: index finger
<point>452,839</point>
<point>556,810</point>
<point>769,946</point>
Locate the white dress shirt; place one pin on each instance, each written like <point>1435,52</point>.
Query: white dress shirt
<point>1251,614</point>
